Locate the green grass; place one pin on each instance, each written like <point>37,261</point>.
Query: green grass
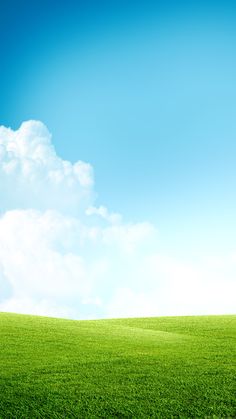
<point>181,367</point>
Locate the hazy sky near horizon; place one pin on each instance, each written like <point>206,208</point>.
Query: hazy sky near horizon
<point>145,93</point>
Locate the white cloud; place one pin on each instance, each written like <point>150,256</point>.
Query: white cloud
<point>127,302</point>
<point>40,308</point>
<point>165,286</point>
<point>47,256</point>
<point>113,218</point>
<point>61,255</point>
<point>30,259</point>
<point>33,176</point>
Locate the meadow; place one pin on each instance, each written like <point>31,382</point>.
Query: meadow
<point>167,367</point>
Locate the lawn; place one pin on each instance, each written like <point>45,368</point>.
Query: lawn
<point>167,367</point>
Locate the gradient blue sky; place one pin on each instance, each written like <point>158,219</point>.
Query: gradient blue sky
<point>144,91</point>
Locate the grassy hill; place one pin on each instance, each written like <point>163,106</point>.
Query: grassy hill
<point>129,368</point>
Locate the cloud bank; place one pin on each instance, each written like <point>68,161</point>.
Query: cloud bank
<point>61,255</point>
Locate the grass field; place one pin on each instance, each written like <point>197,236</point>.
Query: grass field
<point>178,367</point>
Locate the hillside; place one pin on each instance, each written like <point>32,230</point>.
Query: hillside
<point>150,367</point>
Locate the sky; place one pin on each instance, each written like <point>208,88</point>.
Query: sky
<point>117,157</point>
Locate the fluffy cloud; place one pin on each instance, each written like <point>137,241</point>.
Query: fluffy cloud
<point>60,255</point>
<point>33,176</point>
<point>58,252</point>
<point>53,260</point>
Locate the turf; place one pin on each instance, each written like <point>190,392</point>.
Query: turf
<point>172,367</point>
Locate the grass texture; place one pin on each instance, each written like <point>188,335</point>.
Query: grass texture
<point>168,367</point>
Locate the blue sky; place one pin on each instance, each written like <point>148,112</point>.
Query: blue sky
<point>143,91</point>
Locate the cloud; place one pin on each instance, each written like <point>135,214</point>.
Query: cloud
<point>113,218</point>
<point>166,286</point>
<point>58,252</point>
<point>61,255</point>
<point>31,260</point>
<point>33,176</point>
<point>48,256</point>
<point>41,308</point>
